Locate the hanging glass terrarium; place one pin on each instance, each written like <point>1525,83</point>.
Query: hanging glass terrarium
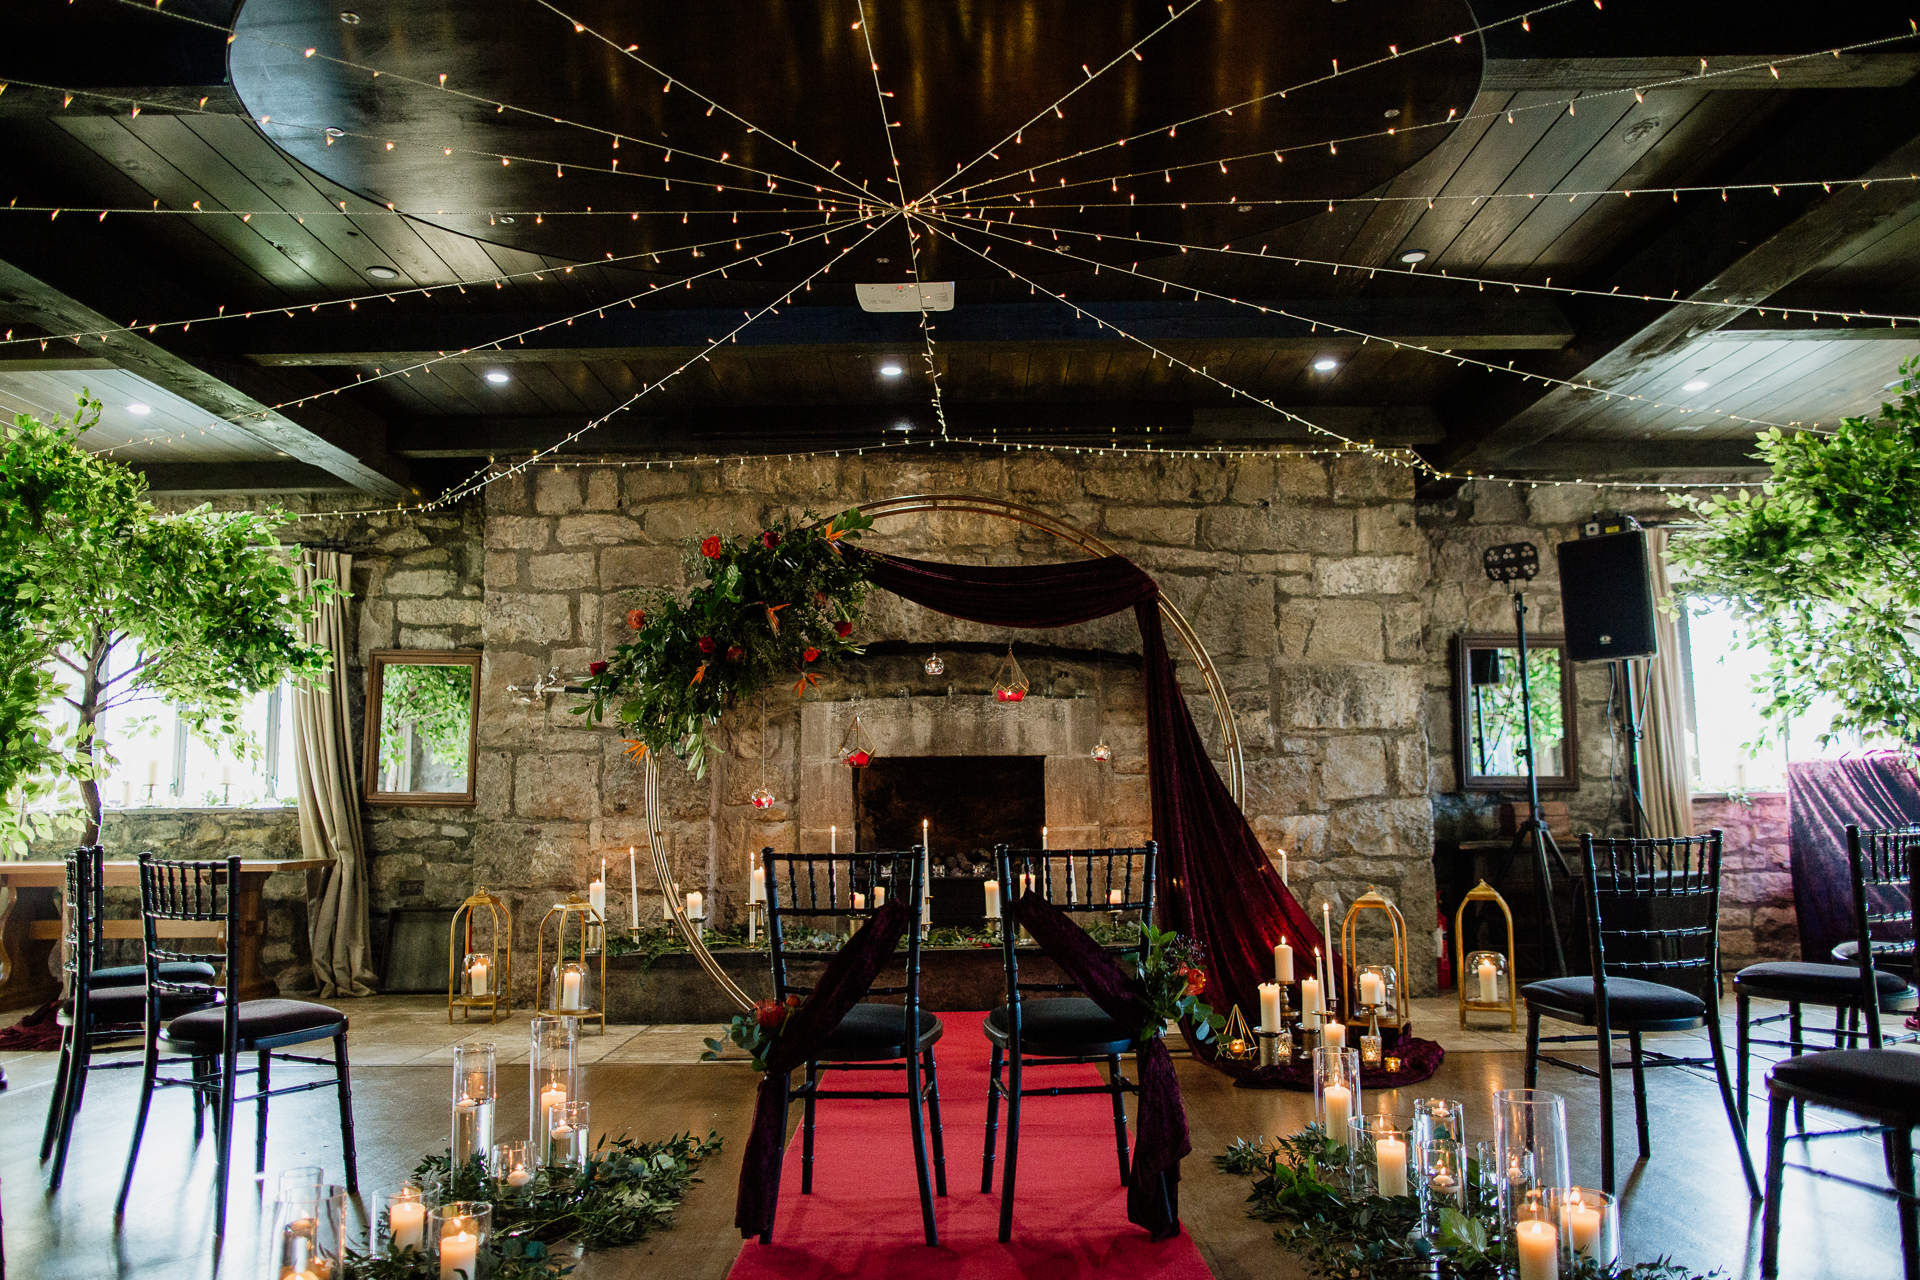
<point>936,665</point>
<point>1102,752</point>
<point>761,797</point>
<point>1010,682</point>
<point>856,749</point>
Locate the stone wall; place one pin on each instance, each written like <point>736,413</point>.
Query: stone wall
<point>1757,920</point>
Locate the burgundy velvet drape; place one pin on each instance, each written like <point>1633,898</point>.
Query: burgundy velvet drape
<point>1875,791</point>
<point>841,986</point>
<point>1160,1123</point>
<point>1216,884</point>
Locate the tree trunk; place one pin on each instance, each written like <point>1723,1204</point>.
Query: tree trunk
<point>89,713</point>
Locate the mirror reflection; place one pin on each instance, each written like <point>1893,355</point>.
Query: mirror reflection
<point>1491,736</point>
<point>423,718</point>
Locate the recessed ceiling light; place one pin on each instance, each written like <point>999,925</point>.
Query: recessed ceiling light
<point>891,370</point>
<point>497,376</point>
<point>1393,113</point>
<point>1698,384</point>
<point>332,132</point>
<point>901,426</point>
<point>142,409</point>
<point>1326,364</point>
<point>506,218</point>
<point>383,273</point>
<point>1411,256</point>
<point>349,17</point>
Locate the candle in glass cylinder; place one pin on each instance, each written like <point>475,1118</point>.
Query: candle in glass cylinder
<point>459,1253</point>
<point>1390,1163</point>
<point>992,888</point>
<point>1043,837</point>
<point>477,976</point>
<point>570,990</point>
<point>1269,1006</point>
<point>1309,997</point>
<point>833,839</point>
<point>1539,1247</point>
<point>406,1223</point>
<point>1339,1103</point>
<point>1489,981</point>
<point>1373,989</point>
<point>1583,1226</point>
<point>1283,962</point>
<point>519,1177</point>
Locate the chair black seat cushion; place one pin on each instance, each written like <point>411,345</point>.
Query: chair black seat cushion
<point>876,1032</point>
<point>117,1006</point>
<point>1628,1000</point>
<point>1881,1083</point>
<point>259,1020</point>
<point>1066,1026</point>
<point>1824,983</point>
<point>135,975</point>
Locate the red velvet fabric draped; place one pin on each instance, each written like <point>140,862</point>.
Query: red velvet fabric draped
<point>1216,884</point>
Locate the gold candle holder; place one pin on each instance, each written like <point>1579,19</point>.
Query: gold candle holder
<point>557,998</point>
<point>1501,998</point>
<point>480,977</point>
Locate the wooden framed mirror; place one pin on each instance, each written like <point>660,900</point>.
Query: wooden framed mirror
<point>1488,737</point>
<point>423,726</point>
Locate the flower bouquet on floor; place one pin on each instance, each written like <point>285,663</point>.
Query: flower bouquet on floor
<point>755,1031</point>
<point>1172,974</point>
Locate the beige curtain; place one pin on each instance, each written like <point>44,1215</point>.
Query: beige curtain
<point>330,793</point>
<point>1663,754</point>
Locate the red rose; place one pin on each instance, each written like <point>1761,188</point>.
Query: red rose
<point>1196,981</point>
<point>820,598</point>
<point>708,644</point>
<point>769,1014</point>
<point>769,539</point>
<point>844,629</point>
<point>734,653</point>
<point>710,548</point>
<point>810,654</point>
<point>596,668</point>
<point>636,618</point>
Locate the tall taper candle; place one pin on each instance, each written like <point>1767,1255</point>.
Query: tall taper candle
<point>633,886</point>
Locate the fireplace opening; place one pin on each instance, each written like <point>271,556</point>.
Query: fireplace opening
<point>971,803</point>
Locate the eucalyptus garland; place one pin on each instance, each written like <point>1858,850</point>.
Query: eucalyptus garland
<point>776,607</point>
<point>1301,1184</point>
<point>626,1191</point>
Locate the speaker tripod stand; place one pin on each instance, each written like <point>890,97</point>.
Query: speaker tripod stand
<point>1519,562</point>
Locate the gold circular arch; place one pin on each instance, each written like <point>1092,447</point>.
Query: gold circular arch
<point>1029,516</point>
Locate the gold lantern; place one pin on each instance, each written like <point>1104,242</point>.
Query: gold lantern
<point>480,977</point>
<point>1376,992</point>
<point>566,989</point>
<point>1491,981</point>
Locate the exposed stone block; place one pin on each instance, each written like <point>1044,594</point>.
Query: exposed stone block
<point>421,582</point>
<point>1344,631</point>
<point>1353,767</point>
<point>596,530</point>
<point>1168,526</point>
<point>1387,530</point>
<point>641,567</point>
<point>1370,575</point>
<point>556,786</point>
<point>438,613</point>
<point>563,571</point>
<point>523,618</point>
<point>1349,696</point>
<point>556,491</point>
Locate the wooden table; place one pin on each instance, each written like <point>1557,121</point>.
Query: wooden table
<point>30,925</point>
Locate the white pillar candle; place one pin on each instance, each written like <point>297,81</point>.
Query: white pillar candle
<point>1390,1165</point>
<point>1283,962</point>
<point>126,795</point>
<point>1269,1006</point>
<point>552,1099</point>
<point>1043,837</point>
<point>406,1223</point>
<point>879,896</point>
<point>696,905</point>
<point>1583,1226</point>
<point>1115,897</point>
<point>569,991</point>
<point>226,775</point>
<point>1336,1035</point>
<point>459,1253</point>
<point>472,1128</point>
<point>993,899</point>
<point>633,886</point>
<point>1309,997</point>
<point>1339,1102</point>
<point>477,977</point>
<point>1489,981</point>
<point>757,885</point>
<point>153,772</point>
<point>859,902</point>
<point>1373,990</point>
<point>1331,977</point>
<point>1539,1250</point>
<point>597,892</point>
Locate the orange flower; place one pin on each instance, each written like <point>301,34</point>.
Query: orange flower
<point>773,616</point>
<point>636,618</point>
<point>1196,981</point>
<point>806,681</point>
<point>637,751</point>
<point>699,675</point>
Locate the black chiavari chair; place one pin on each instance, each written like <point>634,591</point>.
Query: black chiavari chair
<point>216,1037</point>
<point>1062,1029</point>
<point>820,893</point>
<point>1653,917</point>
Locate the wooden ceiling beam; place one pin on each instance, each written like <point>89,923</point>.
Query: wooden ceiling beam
<point>1867,70</point>
<point>240,477</point>
<point>1598,460</point>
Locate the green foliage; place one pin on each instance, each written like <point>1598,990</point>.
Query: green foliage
<point>771,608</point>
<point>1337,1230</point>
<point>196,609</point>
<point>438,702</point>
<point>1823,569</point>
<point>1172,976</point>
<point>757,1031</point>
<point>1496,729</point>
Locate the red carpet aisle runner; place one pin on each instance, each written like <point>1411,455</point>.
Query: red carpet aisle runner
<point>863,1218</point>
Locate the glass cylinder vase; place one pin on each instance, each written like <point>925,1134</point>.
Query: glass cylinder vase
<point>572,988</point>
<point>1336,1090</point>
<point>311,1227</point>
<point>399,1215</point>
<point>1592,1222</point>
<point>1381,1148</point>
<point>1441,1174</point>
<point>474,1094</point>
<point>459,1231</point>
<point>570,1135</point>
<point>1439,1118</point>
<point>1532,1167</point>
<point>513,1167</point>
<point>553,1078</point>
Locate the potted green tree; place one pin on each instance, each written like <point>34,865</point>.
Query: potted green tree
<point>106,601</point>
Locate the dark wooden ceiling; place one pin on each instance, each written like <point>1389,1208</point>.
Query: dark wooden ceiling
<point>594,307</point>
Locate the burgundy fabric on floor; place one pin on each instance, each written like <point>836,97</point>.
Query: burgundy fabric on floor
<point>1419,1059</point>
<point>1160,1128</point>
<point>845,981</point>
<point>1874,791</point>
<point>1216,884</point>
<point>863,1218</point>
<point>39,1030</point>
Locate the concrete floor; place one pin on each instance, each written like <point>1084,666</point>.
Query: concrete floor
<point>1687,1201</point>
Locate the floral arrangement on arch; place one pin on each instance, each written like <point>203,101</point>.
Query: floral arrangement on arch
<point>776,606</point>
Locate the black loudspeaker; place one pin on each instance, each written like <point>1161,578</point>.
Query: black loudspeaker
<point>1606,597</point>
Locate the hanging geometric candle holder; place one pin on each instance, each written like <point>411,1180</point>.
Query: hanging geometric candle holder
<point>935,665</point>
<point>1010,682</point>
<point>856,749</point>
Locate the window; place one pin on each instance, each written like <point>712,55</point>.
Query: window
<point>1721,700</point>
